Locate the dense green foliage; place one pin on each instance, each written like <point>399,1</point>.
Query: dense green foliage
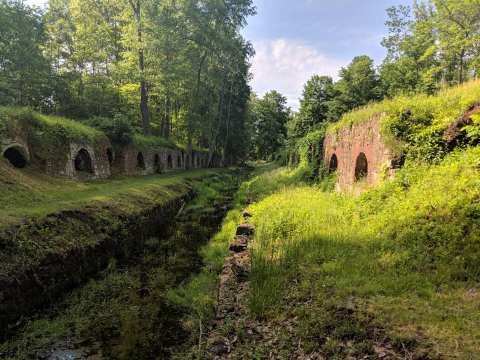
<point>431,43</point>
<point>413,241</point>
<point>176,69</point>
<point>269,116</point>
<point>125,312</point>
<point>324,101</point>
<point>25,75</point>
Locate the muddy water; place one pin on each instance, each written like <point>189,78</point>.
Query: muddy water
<point>125,313</point>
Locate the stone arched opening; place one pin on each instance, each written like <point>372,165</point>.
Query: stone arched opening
<point>198,162</point>
<point>110,156</point>
<point>179,161</point>
<point>361,167</point>
<point>156,164</point>
<point>333,165</point>
<point>140,161</point>
<point>187,162</point>
<point>16,156</point>
<point>169,162</point>
<point>83,162</point>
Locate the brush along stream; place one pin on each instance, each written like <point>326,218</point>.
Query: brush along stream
<point>123,312</point>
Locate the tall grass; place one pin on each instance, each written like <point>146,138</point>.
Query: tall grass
<point>413,241</point>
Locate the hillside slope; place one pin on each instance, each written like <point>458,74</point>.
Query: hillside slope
<point>392,273</point>
<point>396,269</point>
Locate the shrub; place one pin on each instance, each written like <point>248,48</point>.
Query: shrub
<point>119,129</point>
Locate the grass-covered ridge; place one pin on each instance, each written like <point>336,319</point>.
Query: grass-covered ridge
<point>402,258</point>
<point>27,193</point>
<point>148,142</point>
<point>47,128</point>
<point>70,129</point>
<point>418,122</point>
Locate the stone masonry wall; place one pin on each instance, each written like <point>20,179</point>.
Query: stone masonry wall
<point>348,143</point>
<point>154,161</point>
<point>96,160</point>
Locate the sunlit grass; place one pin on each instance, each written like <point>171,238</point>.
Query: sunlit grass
<point>27,193</point>
<point>407,251</point>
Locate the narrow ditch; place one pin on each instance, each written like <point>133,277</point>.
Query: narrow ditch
<point>124,312</point>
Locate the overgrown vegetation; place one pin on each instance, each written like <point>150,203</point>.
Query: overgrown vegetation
<point>416,125</point>
<point>357,271</point>
<point>125,312</point>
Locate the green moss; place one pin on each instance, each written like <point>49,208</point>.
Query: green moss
<point>73,130</point>
<point>66,128</point>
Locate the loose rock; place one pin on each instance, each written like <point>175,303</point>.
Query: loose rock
<point>245,229</point>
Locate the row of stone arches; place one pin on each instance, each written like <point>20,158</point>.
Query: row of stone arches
<point>83,161</point>
<point>157,164</point>
<point>361,166</point>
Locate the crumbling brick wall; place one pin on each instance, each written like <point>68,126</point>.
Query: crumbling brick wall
<point>346,146</point>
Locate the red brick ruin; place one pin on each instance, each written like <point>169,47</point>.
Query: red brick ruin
<point>358,154</point>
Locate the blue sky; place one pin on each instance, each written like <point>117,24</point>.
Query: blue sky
<point>295,39</point>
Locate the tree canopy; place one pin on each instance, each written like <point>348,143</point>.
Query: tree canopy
<point>175,68</point>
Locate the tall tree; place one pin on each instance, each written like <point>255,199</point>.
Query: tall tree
<point>411,64</point>
<point>137,7</point>
<point>270,117</point>
<point>25,75</point>
<point>315,103</point>
<point>359,84</point>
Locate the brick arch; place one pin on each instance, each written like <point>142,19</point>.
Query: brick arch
<point>333,164</point>
<point>157,166</point>
<point>17,155</point>
<point>83,161</point>
<point>361,167</point>
<point>110,156</point>
<point>140,161</point>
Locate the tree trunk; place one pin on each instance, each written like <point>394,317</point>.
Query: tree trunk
<point>227,130</point>
<point>196,98</point>
<point>145,115</point>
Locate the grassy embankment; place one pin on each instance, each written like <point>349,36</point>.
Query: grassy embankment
<point>394,271</point>
<point>398,263</point>
<point>27,193</point>
<point>123,313</point>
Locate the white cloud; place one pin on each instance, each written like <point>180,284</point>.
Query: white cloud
<point>286,65</point>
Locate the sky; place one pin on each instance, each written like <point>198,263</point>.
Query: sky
<point>295,39</point>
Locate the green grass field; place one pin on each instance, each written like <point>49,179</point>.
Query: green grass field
<point>26,193</point>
